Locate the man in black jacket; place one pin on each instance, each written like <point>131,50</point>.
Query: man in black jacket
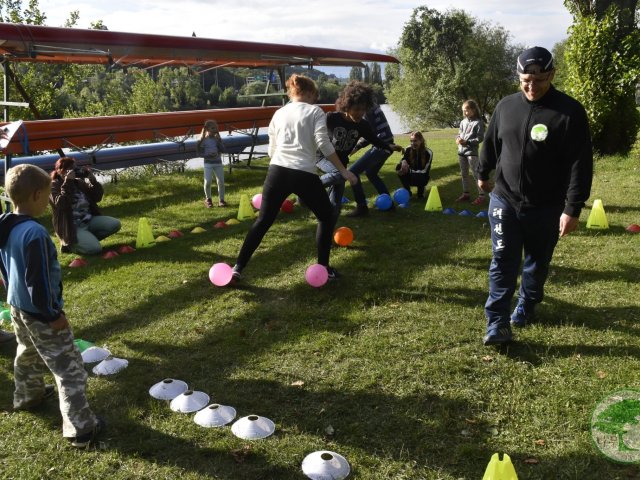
<point>539,144</point>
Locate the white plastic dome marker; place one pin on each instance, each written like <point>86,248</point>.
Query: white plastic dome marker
<point>168,389</point>
<point>94,354</point>
<point>110,365</point>
<point>253,427</point>
<point>325,465</point>
<point>215,415</point>
<point>189,401</point>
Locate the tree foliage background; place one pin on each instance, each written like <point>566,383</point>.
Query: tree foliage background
<point>603,69</point>
<point>447,58</point>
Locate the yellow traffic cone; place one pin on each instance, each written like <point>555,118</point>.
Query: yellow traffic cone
<point>245,211</point>
<point>597,217</point>
<point>433,202</point>
<point>500,469</point>
<point>145,235</point>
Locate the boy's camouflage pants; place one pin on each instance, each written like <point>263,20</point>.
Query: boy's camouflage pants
<point>40,347</point>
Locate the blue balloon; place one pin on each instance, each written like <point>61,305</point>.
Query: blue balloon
<point>401,195</point>
<point>466,213</point>
<point>449,211</point>
<point>383,202</point>
<point>482,214</point>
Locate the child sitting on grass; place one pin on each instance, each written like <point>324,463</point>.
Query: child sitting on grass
<point>415,167</point>
<point>32,275</point>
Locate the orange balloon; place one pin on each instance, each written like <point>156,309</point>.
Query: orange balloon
<point>343,236</point>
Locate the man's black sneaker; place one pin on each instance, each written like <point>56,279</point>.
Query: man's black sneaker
<point>360,211</point>
<point>49,391</point>
<point>86,439</point>
<point>333,273</point>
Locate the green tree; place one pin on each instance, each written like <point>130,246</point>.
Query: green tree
<point>328,91</point>
<point>355,74</point>
<point>560,77</point>
<point>146,96</point>
<point>391,72</point>
<point>376,74</point>
<point>616,418</point>
<point>603,66</point>
<point>366,74</point>
<point>447,58</point>
<point>228,98</point>
<point>214,94</point>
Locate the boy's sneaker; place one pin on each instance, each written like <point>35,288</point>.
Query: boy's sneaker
<point>522,314</point>
<point>360,211</point>
<point>478,201</point>
<point>222,203</point>
<point>208,203</point>
<point>465,197</point>
<point>49,391</point>
<point>86,439</point>
<point>333,273</point>
<point>498,336</point>
<point>65,248</point>
<point>6,337</point>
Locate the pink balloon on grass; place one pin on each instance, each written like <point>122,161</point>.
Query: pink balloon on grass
<point>256,201</point>
<point>220,274</point>
<point>316,275</point>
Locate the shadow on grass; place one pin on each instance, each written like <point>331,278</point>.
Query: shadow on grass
<point>418,426</point>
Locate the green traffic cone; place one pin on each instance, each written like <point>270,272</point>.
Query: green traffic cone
<point>597,218</point>
<point>433,202</point>
<point>245,210</point>
<point>145,235</point>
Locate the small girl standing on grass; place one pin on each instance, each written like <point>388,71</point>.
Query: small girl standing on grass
<point>210,145</point>
<point>469,138</point>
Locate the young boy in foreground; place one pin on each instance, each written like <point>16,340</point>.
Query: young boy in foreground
<point>32,275</point>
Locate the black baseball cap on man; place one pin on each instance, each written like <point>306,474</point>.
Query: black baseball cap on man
<point>535,56</point>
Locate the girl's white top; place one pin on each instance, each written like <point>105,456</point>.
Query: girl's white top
<point>296,132</point>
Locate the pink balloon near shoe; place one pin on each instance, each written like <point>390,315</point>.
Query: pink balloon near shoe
<point>316,275</point>
<point>220,274</point>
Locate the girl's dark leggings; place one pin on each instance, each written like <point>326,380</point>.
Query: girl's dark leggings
<point>279,184</point>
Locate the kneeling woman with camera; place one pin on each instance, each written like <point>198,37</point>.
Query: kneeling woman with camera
<point>74,198</point>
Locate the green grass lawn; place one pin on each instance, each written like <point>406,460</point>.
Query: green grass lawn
<point>384,366</point>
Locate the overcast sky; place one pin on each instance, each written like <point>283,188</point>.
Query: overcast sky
<point>363,25</point>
